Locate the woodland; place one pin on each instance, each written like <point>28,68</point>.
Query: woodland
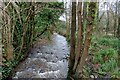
<point>36,43</point>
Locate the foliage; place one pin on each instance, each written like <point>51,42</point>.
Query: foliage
<point>25,23</point>
<point>48,15</point>
<point>107,41</point>
<point>61,28</point>
<point>105,55</point>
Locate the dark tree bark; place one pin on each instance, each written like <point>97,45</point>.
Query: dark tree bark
<point>72,40</point>
<point>90,23</point>
<point>79,36</point>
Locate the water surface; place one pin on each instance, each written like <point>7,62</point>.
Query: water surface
<point>46,61</point>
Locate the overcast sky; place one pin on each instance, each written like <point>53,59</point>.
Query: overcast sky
<point>101,6</point>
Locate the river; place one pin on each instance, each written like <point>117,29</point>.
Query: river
<point>46,61</point>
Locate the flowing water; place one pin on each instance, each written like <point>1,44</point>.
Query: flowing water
<point>46,61</point>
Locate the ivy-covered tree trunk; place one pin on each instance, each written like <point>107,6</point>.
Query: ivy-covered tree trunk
<point>84,22</point>
<point>72,41</point>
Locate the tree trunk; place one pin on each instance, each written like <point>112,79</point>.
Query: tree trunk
<point>84,16</point>
<point>72,40</point>
<point>118,34</point>
<point>107,27</point>
<point>115,20</point>
<point>91,17</point>
<point>79,36</point>
<point>118,29</point>
<point>67,21</point>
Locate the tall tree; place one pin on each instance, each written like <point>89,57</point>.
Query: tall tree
<point>67,21</point>
<point>115,18</point>
<point>79,36</point>
<point>72,40</point>
<point>107,27</point>
<point>89,31</point>
<point>79,51</point>
<point>85,5</point>
<point>118,34</point>
<point>118,29</point>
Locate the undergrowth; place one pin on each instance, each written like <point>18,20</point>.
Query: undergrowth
<point>104,55</point>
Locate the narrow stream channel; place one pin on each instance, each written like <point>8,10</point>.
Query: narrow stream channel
<point>46,61</point>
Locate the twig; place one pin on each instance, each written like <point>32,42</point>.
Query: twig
<point>7,5</point>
